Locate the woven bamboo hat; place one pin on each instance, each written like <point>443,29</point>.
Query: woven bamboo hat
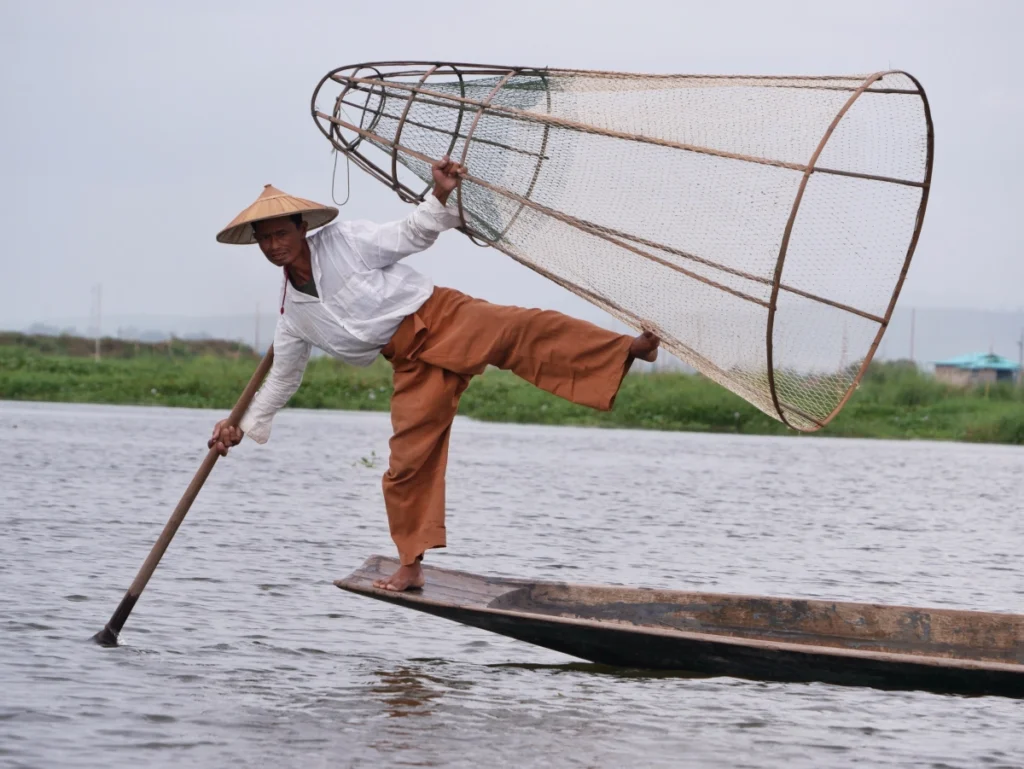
<point>271,204</point>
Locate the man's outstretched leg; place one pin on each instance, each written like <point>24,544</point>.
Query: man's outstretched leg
<point>565,356</point>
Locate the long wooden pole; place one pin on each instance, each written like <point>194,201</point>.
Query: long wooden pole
<point>108,635</point>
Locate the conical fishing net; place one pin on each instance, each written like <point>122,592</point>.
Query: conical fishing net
<point>761,226</point>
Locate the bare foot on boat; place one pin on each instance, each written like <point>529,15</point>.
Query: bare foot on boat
<point>406,578</point>
<point>645,347</point>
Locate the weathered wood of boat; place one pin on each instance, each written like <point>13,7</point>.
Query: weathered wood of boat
<point>753,637</point>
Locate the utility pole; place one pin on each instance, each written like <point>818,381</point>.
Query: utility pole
<point>256,335</point>
<point>97,319</point>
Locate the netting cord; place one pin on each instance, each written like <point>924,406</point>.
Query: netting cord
<point>401,125</point>
<point>784,247</point>
<point>541,157</point>
<point>918,223</point>
<point>773,391</point>
<point>465,151</point>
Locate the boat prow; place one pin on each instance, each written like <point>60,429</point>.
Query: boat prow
<point>714,634</point>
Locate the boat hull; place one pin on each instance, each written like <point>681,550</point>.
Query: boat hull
<point>502,606</point>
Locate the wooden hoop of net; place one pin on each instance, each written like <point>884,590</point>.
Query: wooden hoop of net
<point>761,226</point>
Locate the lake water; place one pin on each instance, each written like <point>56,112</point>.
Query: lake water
<point>242,653</point>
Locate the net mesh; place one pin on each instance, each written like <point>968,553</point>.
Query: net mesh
<point>761,226</point>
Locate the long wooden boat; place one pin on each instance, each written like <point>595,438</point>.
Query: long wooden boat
<point>712,634</point>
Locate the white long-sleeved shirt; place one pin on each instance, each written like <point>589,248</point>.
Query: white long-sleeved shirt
<point>364,293</point>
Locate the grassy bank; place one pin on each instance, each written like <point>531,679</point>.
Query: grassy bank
<point>894,401</point>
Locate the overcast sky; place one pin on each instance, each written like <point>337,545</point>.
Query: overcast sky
<point>132,132</point>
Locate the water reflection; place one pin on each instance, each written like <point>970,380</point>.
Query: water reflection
<point>596,669</point>
<point>410,691</point>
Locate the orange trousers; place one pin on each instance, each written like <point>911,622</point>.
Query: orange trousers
<point>437,350</point>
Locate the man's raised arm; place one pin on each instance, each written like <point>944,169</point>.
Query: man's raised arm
<point>379,245</point>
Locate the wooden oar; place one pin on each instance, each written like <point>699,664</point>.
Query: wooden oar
<point>108,635</point>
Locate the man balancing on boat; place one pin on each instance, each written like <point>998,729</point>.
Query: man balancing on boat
<point>346,292</point>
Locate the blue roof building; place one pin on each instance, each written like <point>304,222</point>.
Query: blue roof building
<point>977,368</point>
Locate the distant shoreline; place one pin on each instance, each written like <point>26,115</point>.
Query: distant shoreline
<point>895,401</point>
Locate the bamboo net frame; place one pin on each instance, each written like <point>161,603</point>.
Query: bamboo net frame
<point>677,203</point>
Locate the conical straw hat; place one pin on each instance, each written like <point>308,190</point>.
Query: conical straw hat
<point>271,204</point>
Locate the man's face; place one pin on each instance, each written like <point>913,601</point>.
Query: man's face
<point>280,239</point>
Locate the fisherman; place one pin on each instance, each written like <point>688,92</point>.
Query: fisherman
<point>346,292</point>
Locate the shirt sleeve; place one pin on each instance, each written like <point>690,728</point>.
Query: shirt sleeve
<point>290,357</point>
<point>380,245</point>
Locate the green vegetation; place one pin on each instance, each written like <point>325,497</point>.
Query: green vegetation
<point>894,400</point>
